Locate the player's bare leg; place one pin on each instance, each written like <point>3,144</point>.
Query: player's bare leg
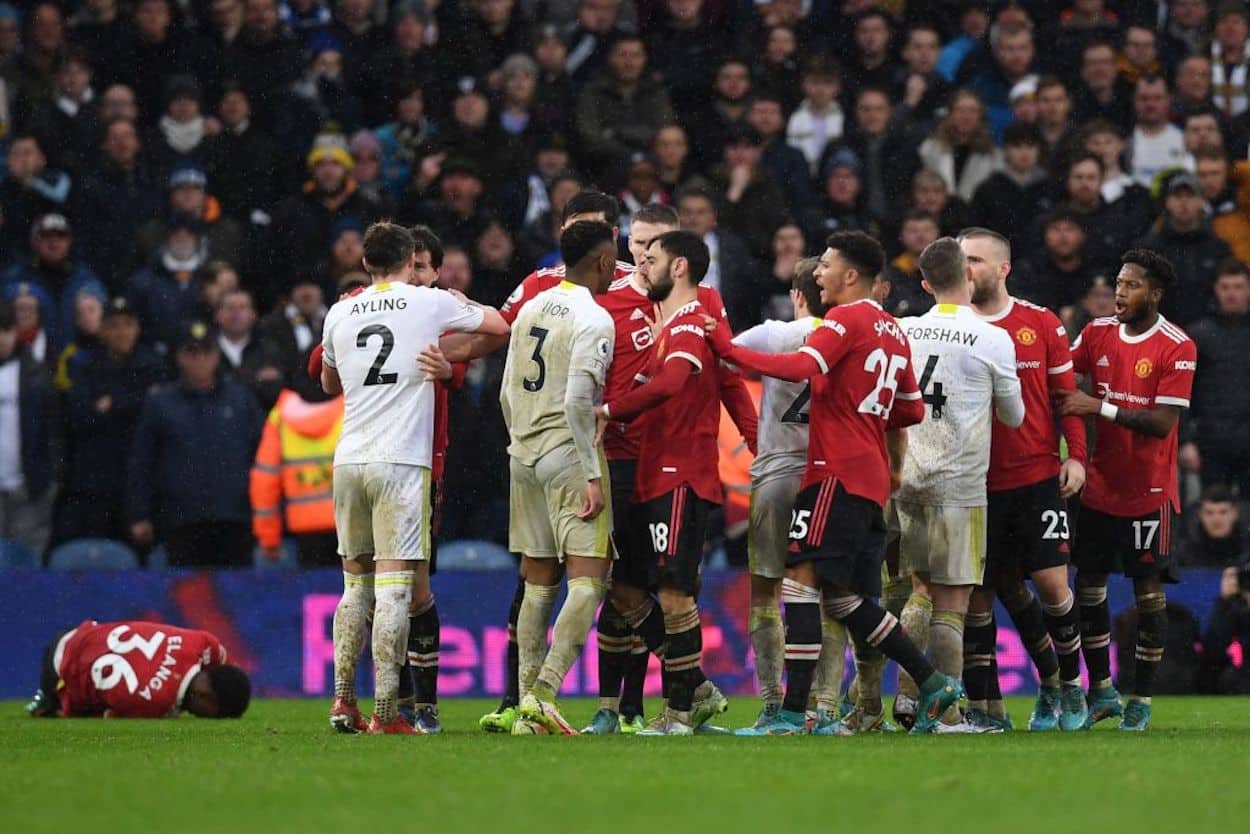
<point>1091,596</point>
<point>586,586</point>
<point>393,582</point>
<point>350,618</point>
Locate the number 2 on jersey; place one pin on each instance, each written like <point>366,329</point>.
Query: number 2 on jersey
<point>375,375</point>
<point>536,384</point>
<point>796,413</point>
<point>887,368</point>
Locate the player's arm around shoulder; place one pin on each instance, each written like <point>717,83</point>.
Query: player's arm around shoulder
<point>1008,398</point>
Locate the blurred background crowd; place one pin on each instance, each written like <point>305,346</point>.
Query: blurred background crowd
<point>186,184</point>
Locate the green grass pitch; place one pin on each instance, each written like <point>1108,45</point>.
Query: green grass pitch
<point>281,769</point>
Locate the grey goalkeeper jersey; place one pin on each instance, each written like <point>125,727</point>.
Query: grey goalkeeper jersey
<point>783,405</point>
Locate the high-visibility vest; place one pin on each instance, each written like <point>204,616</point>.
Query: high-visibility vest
<point>292,479</point>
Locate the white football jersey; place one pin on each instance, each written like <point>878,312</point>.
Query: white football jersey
<point>784,405</point>
<point>961,364</point>
<point>372,340</point>
<point>558,333</point>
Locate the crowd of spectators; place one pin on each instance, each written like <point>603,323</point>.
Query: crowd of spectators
<point>186,183</point>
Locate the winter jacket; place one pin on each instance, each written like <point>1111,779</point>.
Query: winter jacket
<point>192,456</point>
<point>99,443</point>
<point>1221,392</point>
<point>1196,256</point>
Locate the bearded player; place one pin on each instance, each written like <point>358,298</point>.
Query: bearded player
<point>859,364</point>
<point>1141,367</point>
<point>678,482</point>
<point>968,382</point>
<point>633,314</point>
<point>138,669</point>
<point>1028,529</point>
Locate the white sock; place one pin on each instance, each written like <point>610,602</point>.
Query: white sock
<point>349,632</point>
<point>768,639</point>
<point>568,639</point>
<point>827,683</point>
<point>531,632</point>
<point>393,594</point>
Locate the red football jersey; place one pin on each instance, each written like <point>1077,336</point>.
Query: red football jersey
<point>632,313</point>
<point>1030,454</point>
<point>132,669</point>
<point>1132,474</point>
<point>678,437</point>
<point>865,363</point>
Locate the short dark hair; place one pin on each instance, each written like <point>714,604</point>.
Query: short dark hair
<point>859,250</point>
<point>822,66</point>
<point>1218,494</point>
<point>1100,125</point>
<point>698,192</point>
<point>1158,269</point>
<point>682,244</point>
<point>804,282</point>
<point>942,264</point>
<point>1048,81</point>
<point>424,240</point>
<point>589,201</point>
<point>388,246</point>
<point>628,37</point>
<point>873,11</point>
<point>1085,157</point>
<point>1151,78</point>
<point>1021,133</point>
<point>973,232</point>
<point>660,214</point>
<point>914,214</point>
<point>582,238</point>
<point>922,26</point>
<point>232,689</point>
<point>1231,266</point>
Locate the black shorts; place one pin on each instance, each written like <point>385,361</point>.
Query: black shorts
<point>630,561</point>
<point>842,535</point>
<point>1136,547</point>
<point>1027,530</point>
<point>673,528</point>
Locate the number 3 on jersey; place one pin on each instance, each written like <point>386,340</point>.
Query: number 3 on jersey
<point>887,368</point>
<point>536,384</point>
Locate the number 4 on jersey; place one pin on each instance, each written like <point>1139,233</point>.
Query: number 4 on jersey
<point>935,399</point>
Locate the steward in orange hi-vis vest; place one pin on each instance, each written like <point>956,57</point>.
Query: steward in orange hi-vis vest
<point>292,479</point>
